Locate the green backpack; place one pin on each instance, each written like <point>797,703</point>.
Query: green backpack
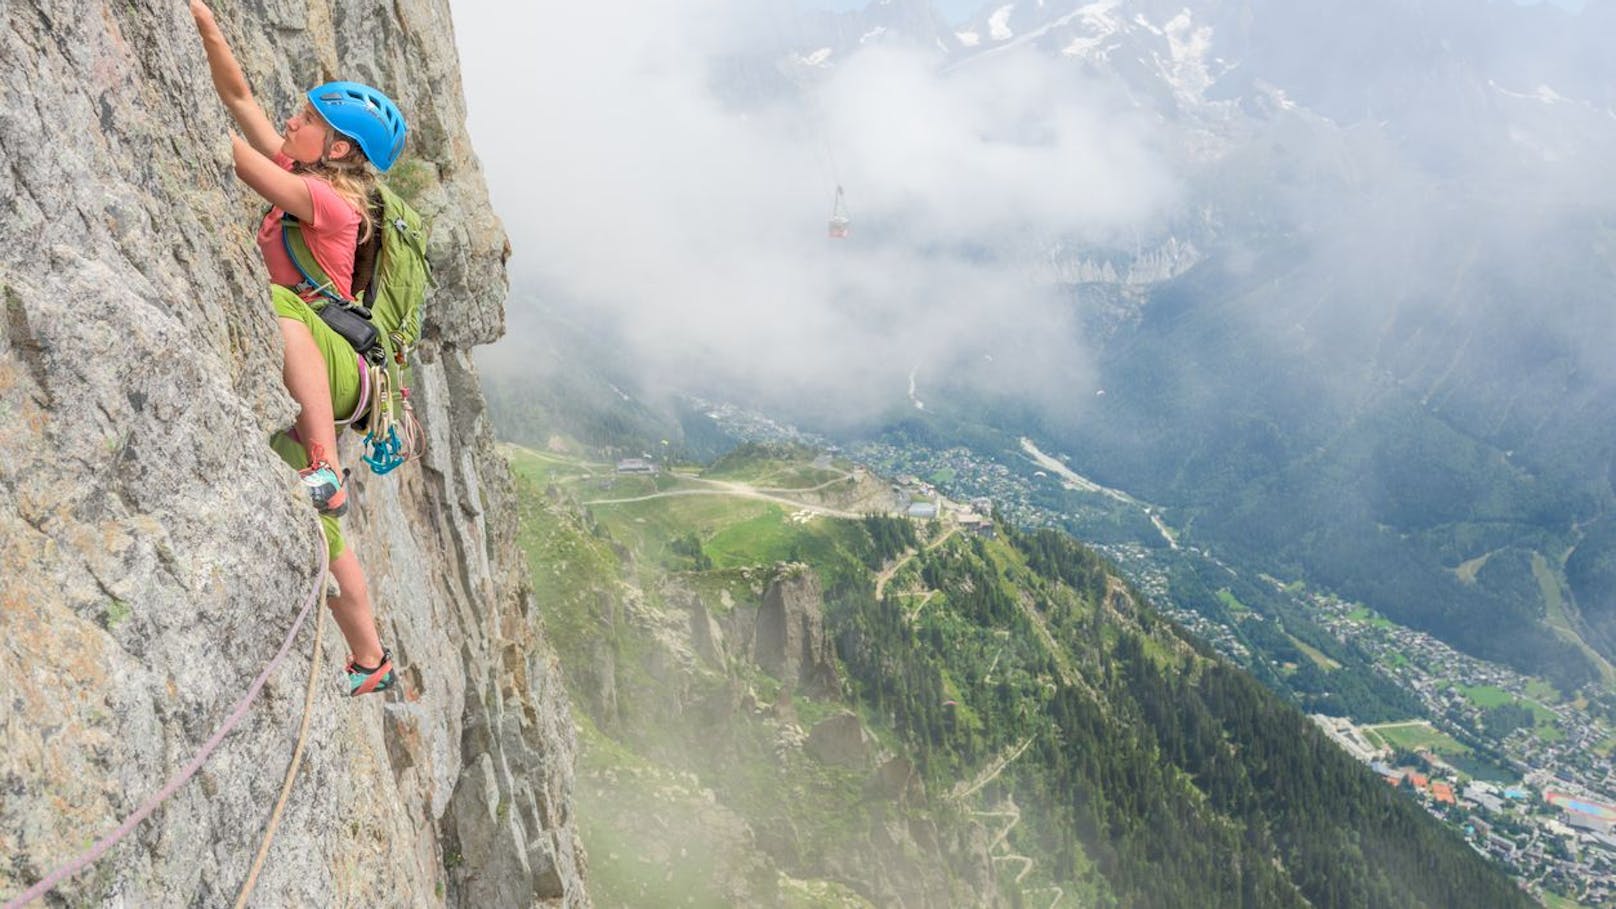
<point>382,322</point>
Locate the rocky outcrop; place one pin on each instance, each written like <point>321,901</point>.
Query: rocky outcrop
<point>153,550</point>
<point>729,670</point>
<point>840,740</point>
<point>789,640</point>
<point>897,779</point>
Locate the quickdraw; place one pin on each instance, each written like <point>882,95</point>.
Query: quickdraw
<point>385,448</point>
<point>384,455</point>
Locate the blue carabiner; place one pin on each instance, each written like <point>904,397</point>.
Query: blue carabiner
<point>383,455</point>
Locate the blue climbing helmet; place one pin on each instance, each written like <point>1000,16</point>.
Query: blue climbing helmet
<point>364,115</point>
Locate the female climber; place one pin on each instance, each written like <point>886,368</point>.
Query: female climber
<point>318,173</point>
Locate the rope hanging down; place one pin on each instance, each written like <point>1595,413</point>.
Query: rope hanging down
<point>291,770</point>
<point>189,770</point>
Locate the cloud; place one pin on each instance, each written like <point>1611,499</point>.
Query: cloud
<point>655,169</point>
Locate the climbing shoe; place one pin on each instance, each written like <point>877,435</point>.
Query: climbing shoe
<point>325,486</point>
<point>367,680</point>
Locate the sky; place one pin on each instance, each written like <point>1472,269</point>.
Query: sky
<point>961,10</point>
<point>953,10</point>
<point>654,188</point>
<point>636,194</point>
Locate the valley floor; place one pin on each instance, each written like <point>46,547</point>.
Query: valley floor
<point>1568,749</point>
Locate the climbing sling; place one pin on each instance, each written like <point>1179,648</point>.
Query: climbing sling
<point>382,321</point>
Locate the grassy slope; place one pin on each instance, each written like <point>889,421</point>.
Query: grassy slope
<point>1033,638</point>
<point>654,833</point>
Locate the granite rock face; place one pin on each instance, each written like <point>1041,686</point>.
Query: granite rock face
<point>789,639</point>
<point>154,552</point>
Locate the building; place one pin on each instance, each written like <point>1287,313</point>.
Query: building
<point>924,511</point>
<point>1478,796</point>
<point>1579,821</point>
<point>976,524</point>
<point>636,466</point>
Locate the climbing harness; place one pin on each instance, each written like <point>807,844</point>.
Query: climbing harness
<point>238,713</point>
<point>363,406</point>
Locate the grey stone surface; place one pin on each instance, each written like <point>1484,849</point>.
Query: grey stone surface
<point>153,550</point>
<point>789,639</point>
<point>840,740</point>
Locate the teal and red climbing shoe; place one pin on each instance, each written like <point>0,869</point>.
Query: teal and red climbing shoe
<point>325,486</point>
<point>368,680</point>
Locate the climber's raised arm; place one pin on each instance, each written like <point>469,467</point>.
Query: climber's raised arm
<point>280,187</point>
<point>232,86</point>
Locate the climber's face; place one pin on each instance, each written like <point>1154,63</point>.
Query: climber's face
<point>306,134</point>
<point>309,138</point>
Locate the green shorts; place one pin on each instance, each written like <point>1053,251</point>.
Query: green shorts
<point>342,376</point>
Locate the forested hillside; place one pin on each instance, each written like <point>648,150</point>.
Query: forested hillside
<point>1005,722</point>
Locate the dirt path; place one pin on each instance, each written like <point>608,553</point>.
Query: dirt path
<point>924,601</point>
<point>908,554</point>
<point>885,576</point>
<point>990,772</point>
<point>737,490</point>
<point>1009,810</point>
<point>1026,864</point>
<point>1059,894</point>
<point>831,482</point>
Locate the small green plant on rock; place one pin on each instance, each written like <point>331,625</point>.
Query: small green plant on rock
<point>117,611</point>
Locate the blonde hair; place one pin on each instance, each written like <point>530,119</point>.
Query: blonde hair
<point>351,177</point>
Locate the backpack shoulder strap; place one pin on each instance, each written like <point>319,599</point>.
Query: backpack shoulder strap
<point>315,278</point>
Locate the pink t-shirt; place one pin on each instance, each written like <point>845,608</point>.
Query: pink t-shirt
<point>331,236</point>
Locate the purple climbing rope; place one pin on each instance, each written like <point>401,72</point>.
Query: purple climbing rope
<point>184,776</point>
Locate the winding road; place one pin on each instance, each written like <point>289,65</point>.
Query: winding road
<point>741,490</point>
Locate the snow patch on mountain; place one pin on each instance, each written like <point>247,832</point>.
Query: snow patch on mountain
<point>1099,24</point>
<point>999,23</point>
<point>817,58</point>
<point>1080,47</point>
<point>1189,45</point>
<point>1278,96</point>
<point>1099,18</point>
<point>1542,93</point>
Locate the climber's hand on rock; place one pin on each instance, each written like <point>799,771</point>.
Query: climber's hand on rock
<point>203,16</point>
